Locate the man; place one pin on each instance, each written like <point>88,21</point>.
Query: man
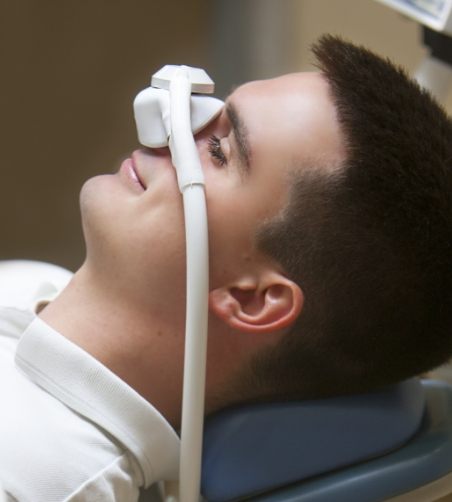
<point>329,204</point>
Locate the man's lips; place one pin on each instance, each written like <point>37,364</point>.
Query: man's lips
<point>143,165</point>
<point>131,173</point>
<point>136,160</point>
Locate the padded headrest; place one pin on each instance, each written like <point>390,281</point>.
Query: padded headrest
<point>253,449</point>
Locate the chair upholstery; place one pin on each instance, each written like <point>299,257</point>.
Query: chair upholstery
<point>254,449</point>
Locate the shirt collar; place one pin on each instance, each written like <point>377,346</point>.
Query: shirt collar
<point>84,384</point>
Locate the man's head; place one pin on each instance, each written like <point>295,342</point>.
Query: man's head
<point>135,238</point>
<point>370,245</point>
<point>328,194</point>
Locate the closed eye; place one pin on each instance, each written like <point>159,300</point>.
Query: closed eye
<point>216,151</point>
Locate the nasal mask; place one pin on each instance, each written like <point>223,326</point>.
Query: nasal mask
<point>170,113</point>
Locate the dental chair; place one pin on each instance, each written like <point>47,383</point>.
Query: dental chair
<point>395,444</point>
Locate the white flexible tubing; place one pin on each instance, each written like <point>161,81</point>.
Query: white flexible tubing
<point>191,180</point>
<point>195,343</point>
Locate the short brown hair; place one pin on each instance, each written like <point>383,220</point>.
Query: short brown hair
<point>371,248</point>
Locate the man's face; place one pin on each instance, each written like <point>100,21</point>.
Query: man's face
<point>135,236</point>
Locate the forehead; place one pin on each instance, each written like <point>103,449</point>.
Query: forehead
<point>301,81</point>
<point>292,118</point>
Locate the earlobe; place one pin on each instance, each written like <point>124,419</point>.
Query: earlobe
<point>270,305</point>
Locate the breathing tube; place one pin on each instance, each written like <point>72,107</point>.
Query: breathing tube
<point>168,114</point>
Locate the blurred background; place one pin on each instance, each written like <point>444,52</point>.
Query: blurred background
<point>70,71</point>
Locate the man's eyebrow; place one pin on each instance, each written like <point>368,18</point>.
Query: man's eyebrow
<point>240,134</point>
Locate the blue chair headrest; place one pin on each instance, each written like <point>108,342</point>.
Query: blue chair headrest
<point>253,449</point>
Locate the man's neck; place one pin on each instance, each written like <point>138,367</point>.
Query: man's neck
<point>139,347</point>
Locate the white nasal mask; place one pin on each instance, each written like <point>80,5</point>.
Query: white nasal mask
<point>152,106</point>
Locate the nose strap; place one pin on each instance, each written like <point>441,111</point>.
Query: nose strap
<point>153,120</point>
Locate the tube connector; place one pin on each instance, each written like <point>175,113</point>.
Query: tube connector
<point>200,82</point>
<point>182,143</point>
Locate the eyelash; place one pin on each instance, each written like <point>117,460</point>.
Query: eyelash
<point>216,151</point>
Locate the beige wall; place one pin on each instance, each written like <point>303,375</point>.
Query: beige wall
<point>276,35</point>
<point>363,21</point>
<point>366,22</point>
<point>70,70</point>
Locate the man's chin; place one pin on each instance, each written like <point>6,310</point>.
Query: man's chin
<point>98,209</point>
<point>87,193</point>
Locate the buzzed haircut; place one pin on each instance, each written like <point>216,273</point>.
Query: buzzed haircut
<point>370,246</point>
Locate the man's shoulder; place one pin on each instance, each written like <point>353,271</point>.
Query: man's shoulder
<point>24,282</point>
<point>66,456</point>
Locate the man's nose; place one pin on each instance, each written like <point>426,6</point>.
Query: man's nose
<point>162,151</point>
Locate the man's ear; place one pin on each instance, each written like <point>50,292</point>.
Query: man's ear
<point>263,304</point>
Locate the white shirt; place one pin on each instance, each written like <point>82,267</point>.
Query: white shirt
<point>70,429</point>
